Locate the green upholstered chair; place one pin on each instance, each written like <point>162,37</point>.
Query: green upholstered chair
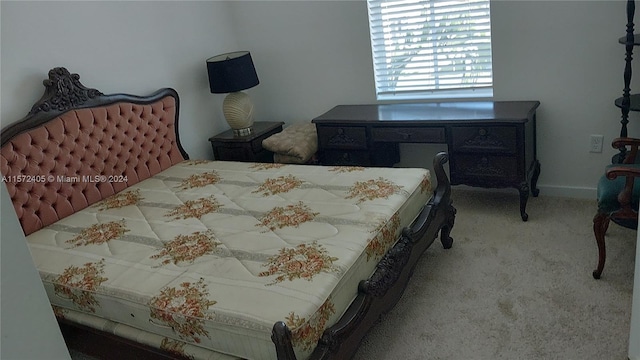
<point>618,195</point>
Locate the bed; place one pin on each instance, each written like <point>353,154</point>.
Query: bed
<point>200,259</point>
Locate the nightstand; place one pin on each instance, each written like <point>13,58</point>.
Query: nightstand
<point>228,147</point>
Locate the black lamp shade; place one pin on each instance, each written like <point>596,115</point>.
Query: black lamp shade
<point>231,72</point>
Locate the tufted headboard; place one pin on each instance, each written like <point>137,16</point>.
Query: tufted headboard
<point>77,146</point>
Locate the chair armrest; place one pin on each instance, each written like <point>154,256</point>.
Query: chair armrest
<point>621,170</point>
<point>625,141</point>
<point>633,143</point>
<point>626,194</point>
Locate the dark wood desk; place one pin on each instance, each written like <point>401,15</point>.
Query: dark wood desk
<point>491,144</point>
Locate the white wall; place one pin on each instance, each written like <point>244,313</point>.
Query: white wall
<point>134,47</point>
<point>565,53</point>
<point>316,54</point>
<point>26,313</point>
<point>312,55</point>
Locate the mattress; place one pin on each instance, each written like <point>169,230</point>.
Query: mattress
<point>203,258</point>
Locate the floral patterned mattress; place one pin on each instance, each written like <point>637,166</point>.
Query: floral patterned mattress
<point>208,255</point>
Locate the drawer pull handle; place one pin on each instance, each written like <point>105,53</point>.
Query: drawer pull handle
<point>406,136</point>
<point>482,132</point>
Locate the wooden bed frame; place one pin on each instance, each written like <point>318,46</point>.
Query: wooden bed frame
<point>376,296</point>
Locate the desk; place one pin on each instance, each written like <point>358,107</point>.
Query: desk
<point>491,144</point>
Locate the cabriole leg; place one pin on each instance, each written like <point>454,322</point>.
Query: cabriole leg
<point>534,179</point>
<point>445,237</point>
<point>600,226</point>
<point>524,197</point>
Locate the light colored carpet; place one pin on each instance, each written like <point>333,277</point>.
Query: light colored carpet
<point>509,289</point>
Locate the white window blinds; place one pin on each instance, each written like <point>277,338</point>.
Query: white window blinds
<point>425,47</point>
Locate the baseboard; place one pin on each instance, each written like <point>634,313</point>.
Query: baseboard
<point>568,191</point>
<point>546,190</point>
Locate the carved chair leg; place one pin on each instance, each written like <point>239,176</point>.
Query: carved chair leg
<point>600,226</point>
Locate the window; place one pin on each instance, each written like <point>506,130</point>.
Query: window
<point>431,48</point>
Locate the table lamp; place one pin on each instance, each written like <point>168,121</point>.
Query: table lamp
<point>231,73</point>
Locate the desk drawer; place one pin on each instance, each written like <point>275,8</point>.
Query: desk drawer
<point>345,158</point>
<point>342,137</point>
<point>409,134</point>
<point>497,139</point>
<point>483,170</point>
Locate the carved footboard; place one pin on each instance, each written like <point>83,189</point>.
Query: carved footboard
<point>383,289</point>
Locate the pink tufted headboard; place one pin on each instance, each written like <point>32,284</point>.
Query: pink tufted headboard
<point>77,146</point>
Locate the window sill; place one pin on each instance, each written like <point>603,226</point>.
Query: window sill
<point>440,95</point>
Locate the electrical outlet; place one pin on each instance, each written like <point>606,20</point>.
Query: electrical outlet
<point>596,143</point>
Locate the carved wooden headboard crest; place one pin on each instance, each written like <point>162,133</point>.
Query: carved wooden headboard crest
<point>63,91</point>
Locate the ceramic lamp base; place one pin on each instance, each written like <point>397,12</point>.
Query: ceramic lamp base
<point>238,111</point>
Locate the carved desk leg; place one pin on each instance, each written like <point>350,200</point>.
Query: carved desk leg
<point>524,189</point>
<point>534,178</point>
<point>524,196</point>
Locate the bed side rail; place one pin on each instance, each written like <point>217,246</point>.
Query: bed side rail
<point>379,294</point>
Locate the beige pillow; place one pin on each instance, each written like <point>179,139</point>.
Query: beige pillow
<point>297,143</point>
